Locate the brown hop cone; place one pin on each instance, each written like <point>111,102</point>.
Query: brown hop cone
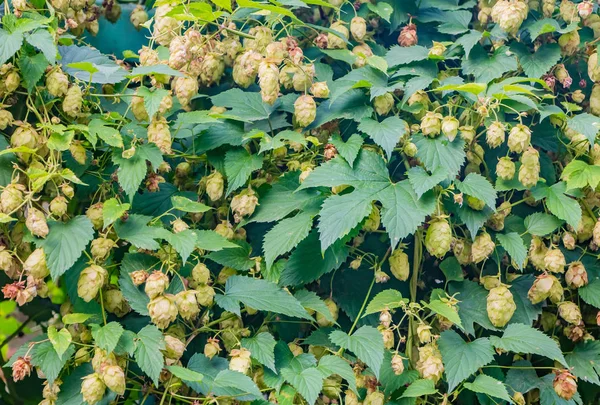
<point>21,368</point>
<point>408,35</point>
<point>565,384</point>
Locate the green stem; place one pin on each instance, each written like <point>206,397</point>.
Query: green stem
<point>412,327</point>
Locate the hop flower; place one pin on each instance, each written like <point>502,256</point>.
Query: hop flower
<point>185,88</point>
<point>362,52</point>
<point>92,388</point>
<point>57,83</point>
<point>565,385</point>
<point>268,80</point>
<point>431,124</point>
<point>540,290</point>
<point>35,265</point>
<point>430,364</point>
<point>397,364</point>
<point>437,49</point>
<point>537,253</point>
<point>162,310</point>
<point>225,229</point>
<point>554,261</point>
<point>58,206</point>
<point>243,204</point>
<point>115,302</point>
<point>569,240</point>
<point>593,68</point>
<point>358,28</point>
<point>475,203</point>
<point>211,348</point>
<point>319,89</point>
<point>373,220</point>
<point>245,68</point>
<point>205,295</point>
<point>90,281</point>
<point>94,214</point>
<point>200,274</point>
<point>568,11</point>
<point>495,134</point>
<point>263,37</point>
<point>383,104</point>
<point>424,333</point>
<point>114,378</point>
<point>212,69</point>
<point>165,28</point>
<point>438,238</point>
<point>305,110</point>
<point>399,265</point>
<point>509,14</point>
<point>450,127</point>
<point>374,398</point>
<point>36,222</point>
<point>240,360</point>
<point>101,248</point>
<point>388,336</point>
<point>333,310</point>
<point>519,138</point>
<point>25,135</point>
<point>500,306</point>
<point>585,9</point>
<point>303,77</point>
<point>529,172</point>
<point>408,36</point>
<point>570,312</point>
<point>6,119</point>
<point>174,347</point>
<point>11,198</point>
<point>335,41</point>
<point>160,135</point>
<point>482,247</point>
<point>73,101</point>
<point>186,304</point>
<point>21,368</point>
<point>569,44</point>
<point>138,16</point>
<point>156,284</point>
<point>576,275</point>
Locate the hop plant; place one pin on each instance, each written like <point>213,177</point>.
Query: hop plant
<point>430,364</point>
<point>438,237</point>
<point>519,138</point>
<point>529,172</point>
<point>500,306</point>
<point>90,282</point>
<point>305,110</point>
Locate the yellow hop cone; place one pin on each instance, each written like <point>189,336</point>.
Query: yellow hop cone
<point>162,310</point>
<point>500,306</point>
<point>160,135</point>
<point>305,110</point>
<point>36,222</point>
<point>73,101</point>
<point>92,388</point>
<point>529,172</point>
<point>90,281</point>
<point>495,134</point>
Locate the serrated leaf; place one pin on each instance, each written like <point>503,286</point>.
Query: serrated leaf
<point>329,365</point>
<point>591,293</point>
<point>32,69</point>
<point>238,259</point>
<point>263,296</point>
<point>349,149</point>
<point>440,153</point>
<point>386,133</point>
<point>535,64</point>
<point>420,388</point>
<point>563,206</point>
<point>486,68</point>
<point>310,300</point>
<point>61,340</point>
<point>212,241</point>
<point>42,40</point>
<point>387,299</point>
<point>542,224</point>
<point>105,70</point>
<point>487,385</point>
<point>185,374</point>
<point>366,343</point>
<point>159,69</point>
<point>586,124</point>
<point>112,210</point>
<point>106,337</point>
<point>579,174</point>
<point>47,359</point>
<point>514,245</point>
<point>382,9</point>
<point>479,187</point>
<point>469,40</point>
<point>452,269</point>
<point>262,349</point>
<point>422,182</point>
<point>462,359</point>
<point>398,55</point>
<point>246,105</point>
<point>136,232</point>
<point>152,99</point>
<point>65,243</point>
<point>186,205</point>
<point>9,44</point>
<point>239,165</point>
<point>148,353</point>
<point>101,129</point>
<point>184,242</point>
<point>286,235</point>
<point>522,338</point>
<point>308,381</point>
<point>444,310</point>
<point>584,361</point>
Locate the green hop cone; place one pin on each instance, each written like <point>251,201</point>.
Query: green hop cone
<point>36,222</point>
<point>495,134</point>
<point>305,110</point>
<point>450,127</point>
<point>383,104</point>
<point>554,261</point>
<point>115,302</point>
<point>187,305</point>
<point>160,135</point>
<point>519,138</point>
<point>162,310</point>
<point>570,312</point>
<point>373,220</point>
<point>268,80</point>
<point>35,265</point>
<point>431,124</point>
<point>482,247</point>
<point>73,101</point>
<point>92,388</point>
<point>337,41</point>
<point>438,237</point>
<point>540,290</point>
<point>57,82</point>
<point>399,265</point>
<point>113,377</point>
<point>156,284</point>
<point>90,281</point>
<point>430,364</point>
<point>576,275</point>
<point>529,172</point>
<point>500,306</point>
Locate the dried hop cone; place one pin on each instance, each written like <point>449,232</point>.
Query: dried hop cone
<point>90,281</point>
<point>576,275</point>
<point>570,312</point>
<point>113,377</point>
<point>565,385</point>
<point>162,310</point>
<point>92,388</point>
<point>495,134</point>
<point>73,101</point>
<point>240,360</point>
<point>438,237</point>
<point>138,16</point>
<point>399,265</point>
<point>408,36</point>
<point>519,138</point>
<point>305,110</point>
<point>244,204</point>
<point>156,284</point>
<point>160,135</point>
<point>482,247</point>
<point>529,172</point>
<point>36,222</point>
<point>430,364</point>
<point>500,306</point>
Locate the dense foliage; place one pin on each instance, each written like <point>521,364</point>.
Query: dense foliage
<point>299,202</point>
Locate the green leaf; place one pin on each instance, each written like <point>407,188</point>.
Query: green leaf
<point>420,388</point>
<point>591,293</point>
<point>185,374</point>
<point>152,99</point>
<point>70,319</point>
<point>382,9</point>
<point>452,270</point>
<point>135,296</point>
<point>563,206</point>
<point>32,69</point>
<point>9,44</point>
<point>42,40</point>
<point>584,361</point>
<point>366,343</point>
<point>61,340</point>
<point>113,210</point>
<point>236,258</point>
<point>307,381</point>
<point>469,40</point>
<point>542,224</point>
<point>186,205</point>
<point>105,70</point>
<point>65,243</point>
<point>264,296</point>
<point>586,124</point>
<point>247,106</point>
<point>108,134</point>
<point>262,349</point>
<point>386,133</point>
<point>472,298</point>
<point>136,232</point>
<point>422,182</point>
<point>329,365</point>
<point>210,240</point>
<point>184,242</point>
<point>535,64</point>
<point>148,353</point>
<point>487,385</point>
<point>47,359</point>
<point>440,153</point>
<point>514,245</point>
<point>486,68</point>
<point>239,165</point>
<point>352,104</point>
<point>126,344</point>
<point>349,149</point>
<point>578,174</point>
<point>444,310</point>
<point>526,312</point>
<point>522,338</point>
<point>159,69</point>
<point>387,299</point>
<point>546,26</point>
<point>310,300</point>
<point>462,359</point>
<point>286,235</point>
<point>106,337</point>
<point>479,187</point>
<point>398,55</point>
